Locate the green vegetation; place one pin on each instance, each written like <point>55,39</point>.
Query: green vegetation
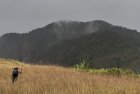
<point>85,67</point>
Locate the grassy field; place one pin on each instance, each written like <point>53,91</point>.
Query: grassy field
<point>37,79</point>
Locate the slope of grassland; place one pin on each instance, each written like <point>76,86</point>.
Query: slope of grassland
<point>37,79</point>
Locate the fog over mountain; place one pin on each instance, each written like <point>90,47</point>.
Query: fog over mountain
<point>25,15</point>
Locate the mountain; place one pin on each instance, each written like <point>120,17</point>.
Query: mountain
<point>66,43</point>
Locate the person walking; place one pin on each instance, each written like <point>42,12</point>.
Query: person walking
<point>15,74</point>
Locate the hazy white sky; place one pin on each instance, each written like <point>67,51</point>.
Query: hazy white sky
<point>26,15</point>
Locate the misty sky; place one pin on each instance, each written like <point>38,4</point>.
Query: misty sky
<point>25,15</point>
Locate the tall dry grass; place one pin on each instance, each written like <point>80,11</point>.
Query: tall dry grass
<point>37,79</point>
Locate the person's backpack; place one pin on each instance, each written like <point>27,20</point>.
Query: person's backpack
<point>15,73</point>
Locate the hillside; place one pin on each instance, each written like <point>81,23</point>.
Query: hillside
<point>5,63</point>
<point>66,43</point>
<point>37,79</point>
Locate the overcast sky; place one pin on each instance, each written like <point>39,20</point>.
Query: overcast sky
<point>25,15</point>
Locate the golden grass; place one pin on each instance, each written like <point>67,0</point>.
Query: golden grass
<point>37,79</point>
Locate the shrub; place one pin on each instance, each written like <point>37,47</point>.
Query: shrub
<point>85,66</point>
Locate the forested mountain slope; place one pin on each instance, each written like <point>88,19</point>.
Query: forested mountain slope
<point>68,42</point>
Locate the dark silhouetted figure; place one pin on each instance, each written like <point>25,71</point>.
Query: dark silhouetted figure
<point>15,74</point>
